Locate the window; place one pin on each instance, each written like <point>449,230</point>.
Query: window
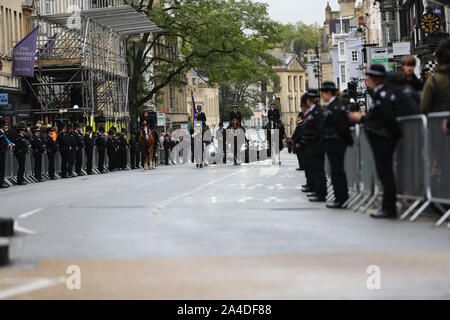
<point>343,73</point>
<point>295,83</point>
<point>342,48</point>
<point>354,56</point>
<point>289,83</point>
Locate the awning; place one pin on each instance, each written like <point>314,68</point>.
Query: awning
<point>122,19</point>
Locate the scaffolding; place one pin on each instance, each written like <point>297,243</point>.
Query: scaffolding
<point>81,63</point>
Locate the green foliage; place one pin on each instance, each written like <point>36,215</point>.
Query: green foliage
<point>300,37</point>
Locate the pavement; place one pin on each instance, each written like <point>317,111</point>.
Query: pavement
<point>221,232</point>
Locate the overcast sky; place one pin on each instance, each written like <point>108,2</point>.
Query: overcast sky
<point>308,11</point>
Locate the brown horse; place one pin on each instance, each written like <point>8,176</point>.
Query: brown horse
<point>147,144</point>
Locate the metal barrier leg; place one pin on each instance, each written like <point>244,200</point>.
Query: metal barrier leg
<point>421,209</point>
<point>351,203</point>
<point>410,209</point>
<point>350,199</point>
<point>444,217</point>
<point>359,205</point>
<point>371,201</point>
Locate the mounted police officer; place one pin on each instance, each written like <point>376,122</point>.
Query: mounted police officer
<point>314,151</point>
<point>383,132</point>
<point>88,149</point>
<point>50,150</point>
<point>235,114</point>
<point>336,137</point>
<point>150,118</point>
<point>273,114</point>
<point>20,152</point>
<point>201,116</point>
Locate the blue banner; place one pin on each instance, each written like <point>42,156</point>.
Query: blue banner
<point>24,54</point>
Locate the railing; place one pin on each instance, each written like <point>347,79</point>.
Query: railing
<point>44,7</point>
<point>421,165</point>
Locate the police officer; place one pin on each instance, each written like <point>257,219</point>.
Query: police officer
<point>63,143</point>
<point>273,114</point>
<point>314,151</point>
<point>37,147</point>
<point>111,148</point>
<point>223,132</point>
<point>100,144</point>
<point>20,152</point>
<point>336,137</point>
<point>383,132</point>
<point>123,148</point>
<point>134,157</point>
<point>79,142</point>
<point>235,114</point>
<point>50,150</point>
<point>201,116</point>
<point>296,139</point>
<point>4,145</point>
<point>70,135</point>
<point>88,149</point>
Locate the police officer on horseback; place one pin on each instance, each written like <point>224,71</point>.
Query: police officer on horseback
<point>150,118</point>
<point>235,114</point>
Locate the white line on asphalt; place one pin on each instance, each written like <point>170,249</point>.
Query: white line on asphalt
<point>29,213</point>
<point>32,286</point>
<point>165,203</point>
<point>21,229</point>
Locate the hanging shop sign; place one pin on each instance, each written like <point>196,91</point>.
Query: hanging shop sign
<point>430,23</point>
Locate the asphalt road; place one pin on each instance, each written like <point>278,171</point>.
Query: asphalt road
<point>221,232</point>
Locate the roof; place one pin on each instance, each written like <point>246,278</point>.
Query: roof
<point>122,19</point>
<point>287,59</point>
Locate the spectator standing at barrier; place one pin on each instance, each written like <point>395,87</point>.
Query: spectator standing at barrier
<point>314,150</point>
<point>20,152</point>
<point>336,137</point>
<point>133,151</point>
<point>71,153</point>
<point>79,141</point>
<point>100,144</point>
<point>50,150</point>
<point>436,93</point>
<point>123,148</point>
<point>383,132</point>
<point>37,147</point>
<point>4,145</point>
<point>88,149</point>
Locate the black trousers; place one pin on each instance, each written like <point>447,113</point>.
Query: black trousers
<point>78,160</point>
<point>101,160</point>
<point>123,159</point>
<point>37,165</point>
<point>315,167</point>
<point>335,150</point>
<point>88,153</point>
<point>383,152</point>
<point>166,156</point>
<point>2,166</point>
<point>70,161</point>
<point>21,170</point>
<point>111,160</point>
<point>133,155</point>
<point>51,164</point>
<point>64,162</point>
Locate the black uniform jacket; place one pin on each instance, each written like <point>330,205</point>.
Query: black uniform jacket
<point>381,119</point>
<point>336,124</point>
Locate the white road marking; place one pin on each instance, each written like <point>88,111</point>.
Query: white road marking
<point>37,284</point>
<point>165,203</point>
<point>21,229</point>
<point>29,213</point>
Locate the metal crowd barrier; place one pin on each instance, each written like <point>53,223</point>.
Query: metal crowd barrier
<point>421,165</point>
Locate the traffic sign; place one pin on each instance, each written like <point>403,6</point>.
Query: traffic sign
<point>161,119</point>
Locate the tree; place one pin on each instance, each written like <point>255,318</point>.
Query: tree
<point>215,38</point>
<point>300,37</point>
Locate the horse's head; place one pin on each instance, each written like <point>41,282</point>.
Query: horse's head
<point>235,123</point>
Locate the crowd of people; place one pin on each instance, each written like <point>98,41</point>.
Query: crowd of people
<point>325,131</point>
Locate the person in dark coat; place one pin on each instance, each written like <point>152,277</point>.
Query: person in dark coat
<point>50,150</point>
<point>336,136</point>
<point>167,145</point>
<point>100,144</point>
<point>383,132</point>
<point>123,149</point>
<point>223,132</point>
<point>201,116</point>
<point>134,157</point>
<point>63,144</point>
<point>314,150</point>
<point>111,147</point>
<point>88,149</point>
<point>37,147</point>
<point>4,145</point>
<point>20,151</point>
<point>79,141</point>
<point>235,114</point>
<point>296,139</point>
<point>73,146</point>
